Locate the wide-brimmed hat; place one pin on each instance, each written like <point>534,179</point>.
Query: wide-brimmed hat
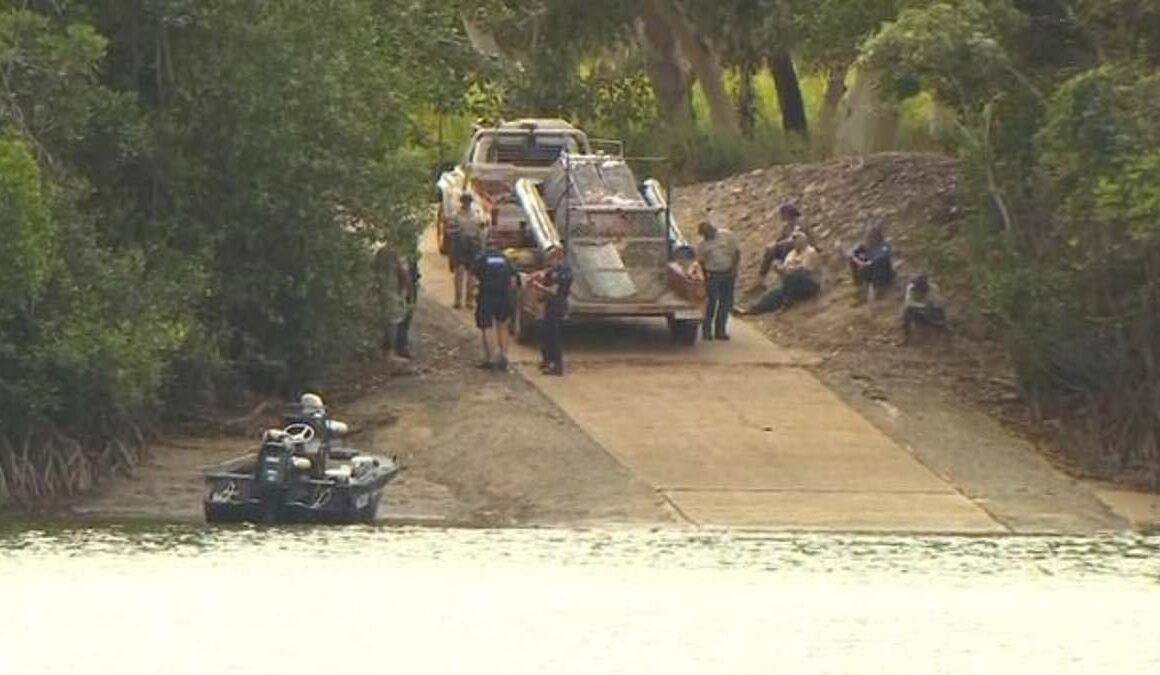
<point>799,234</point>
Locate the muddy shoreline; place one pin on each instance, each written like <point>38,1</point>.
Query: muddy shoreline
<point>479,449</point>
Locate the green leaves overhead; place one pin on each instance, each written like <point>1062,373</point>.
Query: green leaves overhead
<point>955,50</point>
<point>172,175</point>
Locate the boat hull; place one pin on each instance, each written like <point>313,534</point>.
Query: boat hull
<point>234,496</point>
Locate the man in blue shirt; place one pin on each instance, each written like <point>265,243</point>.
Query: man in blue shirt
<point>555,285</point>
<point>497,280</point>
<point>870,263</point>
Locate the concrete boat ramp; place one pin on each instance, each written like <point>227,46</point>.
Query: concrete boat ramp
<point>737,433</point>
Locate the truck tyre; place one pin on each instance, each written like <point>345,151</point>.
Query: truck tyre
<point>684,331</point>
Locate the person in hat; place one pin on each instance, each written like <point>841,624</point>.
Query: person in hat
<point>921,307</point>
<point>871,267</point>
<point>468,235</point>
<point>313,406</point>
<point>777,251</point>
<point>801,278</point>
<point>555,285</point>
<point>719,256</point>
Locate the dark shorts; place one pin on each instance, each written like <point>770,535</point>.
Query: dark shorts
<point>491,309</point>
<point>464,251</point>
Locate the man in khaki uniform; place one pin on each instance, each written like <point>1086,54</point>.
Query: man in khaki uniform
<point>719,256</point>
<point>468,234</point>
<point>392,281</point>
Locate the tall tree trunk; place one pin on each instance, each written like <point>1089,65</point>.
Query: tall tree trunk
<point>704,60</point>
<point>746,99</point>
<point>869,124</point>
<point>828,119</point>
<point>670,78</point>
<point>789,93</point>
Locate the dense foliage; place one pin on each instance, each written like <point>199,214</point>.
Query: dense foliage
<point>1061,133</point>
<point>187,195</point>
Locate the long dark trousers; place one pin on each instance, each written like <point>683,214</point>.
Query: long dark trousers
<point>795,286</point>
<point>397,336</point>
<point>551,349</point>
<point>718,305</point>
<point>403,335</point>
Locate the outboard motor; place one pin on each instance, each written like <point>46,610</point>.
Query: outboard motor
<point>273,472</point>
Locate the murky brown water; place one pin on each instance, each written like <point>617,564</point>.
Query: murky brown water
<point>195,600</point>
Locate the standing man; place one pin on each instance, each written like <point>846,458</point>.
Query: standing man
<point>467,234</point>
<point>720,257</point>
<point>555,285</point>
<point>391,282</point>
<point>410,265</point>
<point>497,281</point>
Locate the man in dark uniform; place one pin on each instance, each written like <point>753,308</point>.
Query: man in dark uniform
<point>497,279</point>
<point>555,285</point>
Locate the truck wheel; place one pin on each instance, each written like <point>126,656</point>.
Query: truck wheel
<point>685,331</point>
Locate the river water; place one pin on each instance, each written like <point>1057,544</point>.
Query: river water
<point>185,599</point>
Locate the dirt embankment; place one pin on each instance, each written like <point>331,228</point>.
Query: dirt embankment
<point>917,197</point>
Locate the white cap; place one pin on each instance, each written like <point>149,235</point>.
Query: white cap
<point>311,401</point>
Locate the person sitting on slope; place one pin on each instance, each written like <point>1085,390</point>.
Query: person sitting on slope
<point>801,278</point>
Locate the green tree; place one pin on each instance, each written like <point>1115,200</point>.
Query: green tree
<point>1060,150</point>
